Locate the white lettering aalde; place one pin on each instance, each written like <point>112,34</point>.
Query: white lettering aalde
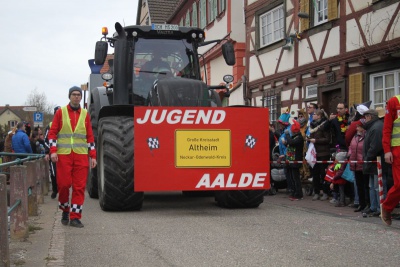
<point>246,180</point>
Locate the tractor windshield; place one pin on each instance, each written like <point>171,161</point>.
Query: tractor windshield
<point>160,58</point>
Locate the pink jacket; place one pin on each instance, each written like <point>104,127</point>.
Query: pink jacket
<point>355,152</point>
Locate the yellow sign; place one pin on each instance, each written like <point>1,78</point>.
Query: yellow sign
<point>202,148</point>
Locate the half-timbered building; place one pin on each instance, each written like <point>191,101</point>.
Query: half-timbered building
<point>321,51</point>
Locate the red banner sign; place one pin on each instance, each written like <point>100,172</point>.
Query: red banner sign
<point>195,148</point>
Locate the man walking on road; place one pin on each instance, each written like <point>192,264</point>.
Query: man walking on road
<point>71,140</point>
<point>391,148</point>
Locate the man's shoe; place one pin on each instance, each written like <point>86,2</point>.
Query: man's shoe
<point>65,218</point>
<point>333,201</point>
<point>386,216</point>
<point>53,195</point>
<point>315,197</point>
<point>375,214</point>
<point>359,209</point>
<point>324,197</point>
<point>366,209</point>
<point>76,223</point>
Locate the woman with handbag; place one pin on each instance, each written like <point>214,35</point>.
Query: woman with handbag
<point>320,136</point>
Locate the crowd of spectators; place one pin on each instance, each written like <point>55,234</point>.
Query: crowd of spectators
<point>354,135</point>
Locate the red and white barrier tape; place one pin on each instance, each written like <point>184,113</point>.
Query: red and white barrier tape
<point>324,161</point>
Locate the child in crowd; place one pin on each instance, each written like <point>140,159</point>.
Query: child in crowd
<point>334,175</point>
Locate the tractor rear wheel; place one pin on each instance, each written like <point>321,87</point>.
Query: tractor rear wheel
<point>234,199</point>
<point>91,183</point>
<point>115,168</point>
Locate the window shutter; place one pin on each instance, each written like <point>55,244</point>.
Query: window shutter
<point>305,7</point>
<point>194,15</point>
<point>355,88</point>
<point>332,9</point>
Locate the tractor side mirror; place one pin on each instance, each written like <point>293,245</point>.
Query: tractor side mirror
<point>100,53</point>
<point>228,53</point>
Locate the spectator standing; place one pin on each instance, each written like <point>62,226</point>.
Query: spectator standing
<point>311,109</point>
<point>372,148</point>
<point>70,138</point>
<point>391,147</point>
<point>338,182</point>
<point>53,170</point>
<point>302,118</point>
<point>34,143</point>
<point>320,136</point>
<point>20,140</point>
<point>355,153</point>
<point>283,124</point>
<point>294,152</point>
<point>339,124</point>
<point>8,148</point>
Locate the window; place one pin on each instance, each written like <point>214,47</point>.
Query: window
<point>12,124</point>
<point>321,11</point>
<point>271,26</point>
<point>272,102</point>
<point>187,19</point>
<point>311,91</point>
<point>194,15</point>
<point>221,6</point>
<point>203,13</point>
<point>212,10</point>
<point>383,86</point>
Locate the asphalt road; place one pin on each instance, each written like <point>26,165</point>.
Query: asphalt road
<point>172,230</point>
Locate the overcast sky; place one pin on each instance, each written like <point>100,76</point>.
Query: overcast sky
<point>46,44</point>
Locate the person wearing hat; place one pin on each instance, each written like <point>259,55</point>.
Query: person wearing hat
<point>53,170</point>
<point>372,148</point>
<point>71,144</point>
<point>294,152</point>
<point>352,129</point>
<point>391,148</point>
<point>284,127</point>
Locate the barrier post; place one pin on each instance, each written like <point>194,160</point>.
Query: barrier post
<point>19,192</point>
<point>4,246</point>
<point>39,182</point>
<point>380,181</point>
<point>45,175</point>
<point>33,206</point>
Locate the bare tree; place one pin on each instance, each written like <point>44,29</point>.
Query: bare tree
<point>39,100</point>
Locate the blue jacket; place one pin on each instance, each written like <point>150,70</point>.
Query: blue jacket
<point>282,147</point>
<point>21,143</point>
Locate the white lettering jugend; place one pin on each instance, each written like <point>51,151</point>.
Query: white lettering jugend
<point>188,116</point>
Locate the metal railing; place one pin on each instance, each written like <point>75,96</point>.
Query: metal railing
<point>28,183</point>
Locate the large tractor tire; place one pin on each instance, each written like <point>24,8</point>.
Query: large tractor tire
<point>115,165</point>
<point>91,183</point>
<point>239,199</point>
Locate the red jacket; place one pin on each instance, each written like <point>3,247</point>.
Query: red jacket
<point>74,116</point>
<point>392,107</point>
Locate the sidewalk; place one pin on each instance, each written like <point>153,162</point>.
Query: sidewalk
<point>45,244</point>
<point>281,199</point>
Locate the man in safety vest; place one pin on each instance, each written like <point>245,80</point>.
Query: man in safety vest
<point>71,140</point>
<point>391,148</point>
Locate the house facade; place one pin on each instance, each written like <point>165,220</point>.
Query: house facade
<point>321,51</point>
<point>220,19</point>
<point>10,116</point>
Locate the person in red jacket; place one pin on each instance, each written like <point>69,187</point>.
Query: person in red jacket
<point>71,140</point>
<point>391,148</point>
